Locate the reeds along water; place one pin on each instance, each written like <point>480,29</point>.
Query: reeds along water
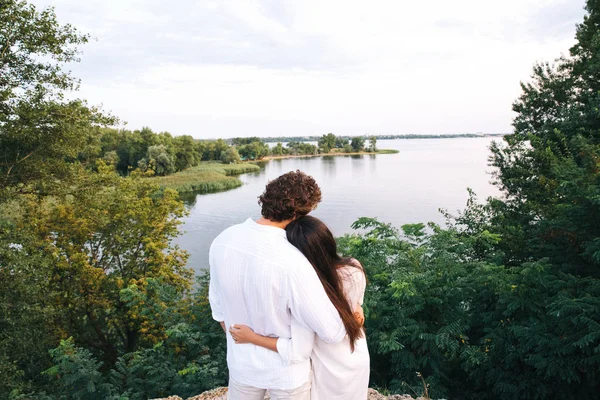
<point>206,178</point>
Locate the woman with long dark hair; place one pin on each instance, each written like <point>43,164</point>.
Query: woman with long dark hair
<point>341,370</point>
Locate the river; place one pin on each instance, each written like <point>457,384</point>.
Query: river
<point>408,187</point>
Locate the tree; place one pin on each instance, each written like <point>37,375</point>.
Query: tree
<point>555,149</point>
<point>424,280</point>
<point>38,130</point>
<point>340,142</point>
<point>549,223</point>
<point>373,144</point>
<point>84,252</point>
<point>220,146</point>
<point>254,151</point>
<point>190,358</point>
<point>231,156</point>
<point>301,148</point>
<point>110,233</point>
<point>185,152</point>
<point>277,150</point>
<point>240,141</point>
<point>358,143</point>
<point>159,160</point>
<point>111,158</point>
<point>327,142</point>
<point>504,303</point>
<point>81,265</point>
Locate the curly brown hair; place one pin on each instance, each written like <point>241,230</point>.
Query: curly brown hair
<point>290,196</point>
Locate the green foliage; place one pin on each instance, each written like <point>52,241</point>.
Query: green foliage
<point>165,154</point>
<point>240,141</point>
<point>327,142</point>
<point>158,160</point>
<point>254,150</point>
<point>39,131</point>
<point>96,304</point>
<point>300,148</point>
<point>358,143</point>
<point>549,168</point>
<point>25,35</point>
<point>278,150</point>
<point>189,360</point>
<point>85,254</point>
<point>81,263</point>
<point>185,154</point>
<point>372,144</point>
<point>26,308</point>
<point>77,372</point>
<point>231,156</point>
<point>437,304</point>
<point>341,142</point>
<point>423,305</point>
<point>505,303</point>
<point>207,177</point>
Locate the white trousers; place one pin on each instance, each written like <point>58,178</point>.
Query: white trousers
<point>238,391</point>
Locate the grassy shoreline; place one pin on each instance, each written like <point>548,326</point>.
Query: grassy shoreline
<point>208,177</point>
<point>334,154</point>
<point>212,176</point>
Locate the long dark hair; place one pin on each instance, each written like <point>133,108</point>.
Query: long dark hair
<point>312,237</point>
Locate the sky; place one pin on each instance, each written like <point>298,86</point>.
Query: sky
<point>226,68</point>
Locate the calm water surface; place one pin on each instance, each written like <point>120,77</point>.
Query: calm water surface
<point>408,187</point>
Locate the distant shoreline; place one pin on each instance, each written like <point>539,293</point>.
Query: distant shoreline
<point>211,176</point>
<point>335,154</point>
<point>284,139</point>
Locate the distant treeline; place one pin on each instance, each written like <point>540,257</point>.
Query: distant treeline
<point>166,154</point>
<point>275,139</point>
<point>161,152</point>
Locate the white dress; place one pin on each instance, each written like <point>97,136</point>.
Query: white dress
<point>339,373</point>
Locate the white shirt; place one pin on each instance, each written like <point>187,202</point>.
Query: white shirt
<point>257,278</point>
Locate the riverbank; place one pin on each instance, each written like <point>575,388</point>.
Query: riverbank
<point>332,154</point>
<point>207,177</point>
<point>213,176</point>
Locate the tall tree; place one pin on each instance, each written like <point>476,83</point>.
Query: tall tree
<point>549,167</point>
<point>38,129</point>
<point>373,144</point>
<point>327,142</point>
<point>185,152</point>
<point>358,143</point>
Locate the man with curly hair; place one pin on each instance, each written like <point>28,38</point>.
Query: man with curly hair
<point>259,279</point>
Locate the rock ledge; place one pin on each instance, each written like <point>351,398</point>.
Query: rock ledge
<point>221,394</point>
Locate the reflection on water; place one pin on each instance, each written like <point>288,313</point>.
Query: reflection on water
<point>189,199</point>
<point>328,163</point>
<point>409,187</point>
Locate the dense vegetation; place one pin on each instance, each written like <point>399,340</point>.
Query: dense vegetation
<point>165,154</point>
<point>505,302</point>
<point>95,303</point>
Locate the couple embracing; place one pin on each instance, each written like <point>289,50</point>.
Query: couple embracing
<point>291,307</point>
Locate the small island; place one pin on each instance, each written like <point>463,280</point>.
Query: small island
<point>217,163</point>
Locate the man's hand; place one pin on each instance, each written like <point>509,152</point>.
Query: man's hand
<point>359,315</point>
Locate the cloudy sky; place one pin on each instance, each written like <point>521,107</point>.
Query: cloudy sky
<point>224,68</point>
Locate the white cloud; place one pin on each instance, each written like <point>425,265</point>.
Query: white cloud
<point>260,67</point>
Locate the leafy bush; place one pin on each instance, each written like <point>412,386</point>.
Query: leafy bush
<point>438,304</point>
